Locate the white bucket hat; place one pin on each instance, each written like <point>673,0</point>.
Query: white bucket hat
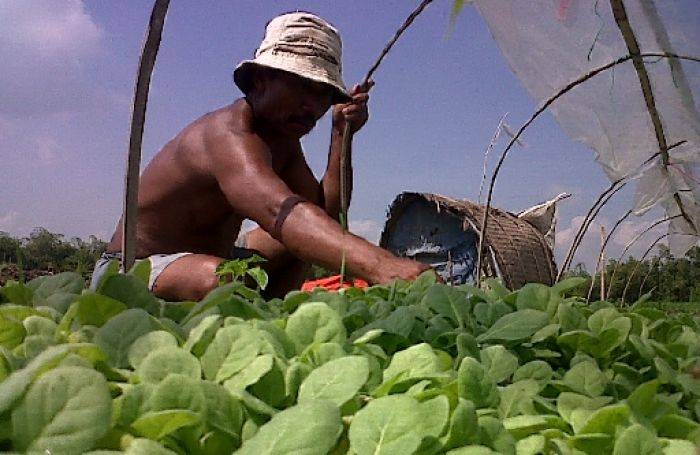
<point>302,44</point>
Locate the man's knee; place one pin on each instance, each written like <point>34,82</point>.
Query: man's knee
<point>190,277</point>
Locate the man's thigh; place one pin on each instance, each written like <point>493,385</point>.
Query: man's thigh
<point>189,277</point>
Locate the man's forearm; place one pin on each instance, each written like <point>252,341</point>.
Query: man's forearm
<point>331,179</point>
<point>313,237</point>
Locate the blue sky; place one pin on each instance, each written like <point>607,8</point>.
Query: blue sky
<point>65,96</point>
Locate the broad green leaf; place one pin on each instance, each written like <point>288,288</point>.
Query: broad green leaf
<point>338,380</point>
<point>176,391</point>
<point>148,343</point>
<point>532,445</point>
<point>12,332</point>
<point>65,411</point>
<point>167,360</point>
<point>96,309</point>
<point>487,313</point>
<point>525,425</point>
<point>517,398</point>
<point>307,428</point>
<point>232,348</point>
<point>387,425</point>
<point>129,290</point>
<point>12,388</point>
<point>607,419</point>
<point>472,450</point>
<point>494,435</point>
<point>142,271</point>
<point>158,424</point>
<point>516,326</point>
<point>463,428</point>
<point>65,282</point>
<point>570,318</point>
<point>675,426</point>
<point>498,362</point>
<point>545,332</point>
<point>417,362</point>
<point>586,378</point>
<point>39,325</point>
<point>449,302</point>
<point>568,284</point>
<point>637,440</point>
<point>475,385</point>
<point>539,370</point>
<point>534,296</point>
<point>250,374</point>
<point>315,322</point>
<point>679,447</point>
<point>202,334</point>
<point>223,412</point>
<point>435,416</point>
<point>17,293</point>
<point>143,446</point>
<point>117,335</point>
<point>270,388</point>
<point>576,408</point>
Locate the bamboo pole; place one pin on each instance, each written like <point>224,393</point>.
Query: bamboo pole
<point>623,24</point>
<point>646,253</point>
<point>602,248</point>
<point>138,119</point>
<point>603,199</point>
<point>602,262</point>
<point>345,159</point>
<point>632,242</point>
<point>594,72</point>
<point>345,149</point>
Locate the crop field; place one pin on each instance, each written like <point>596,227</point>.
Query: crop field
<point>410,368</point>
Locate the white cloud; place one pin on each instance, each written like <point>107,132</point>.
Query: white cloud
<point>49,28</point>
<point>43,44</point>
<point>368,229</point>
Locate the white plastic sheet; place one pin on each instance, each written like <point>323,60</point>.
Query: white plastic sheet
<point>549,43</point>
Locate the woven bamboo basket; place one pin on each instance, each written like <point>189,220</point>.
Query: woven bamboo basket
<point>516,251</point>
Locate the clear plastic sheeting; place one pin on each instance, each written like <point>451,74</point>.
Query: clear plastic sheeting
<point>550,43</point>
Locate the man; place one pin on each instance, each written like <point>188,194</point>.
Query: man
<point>245,161</point>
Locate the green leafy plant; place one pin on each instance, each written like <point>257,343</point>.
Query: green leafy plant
<point>410,368</point>
<point>237,269</point>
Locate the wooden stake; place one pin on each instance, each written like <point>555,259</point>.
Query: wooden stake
<point>602,263</point>
<point>138,119</point>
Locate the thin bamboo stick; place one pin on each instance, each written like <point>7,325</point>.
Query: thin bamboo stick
<point>580,80</point>
<point>632,242</point>
<point>345,158</point>
<point>604,197</point>
<point>138,119</point>
<point>646,253</point>
<point>492,144</point>
<point>347,135</point>
<point>602,248</point>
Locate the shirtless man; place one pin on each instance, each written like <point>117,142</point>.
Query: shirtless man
<point>245,161</point>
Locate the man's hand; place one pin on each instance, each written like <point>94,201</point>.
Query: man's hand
<point>354,113</point>
<point>398,268</point>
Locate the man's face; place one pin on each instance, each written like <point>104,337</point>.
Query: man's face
<point>290,103</point>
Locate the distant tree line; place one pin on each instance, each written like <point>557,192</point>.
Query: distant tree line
<point>666,277</point>
<point>47,252</point>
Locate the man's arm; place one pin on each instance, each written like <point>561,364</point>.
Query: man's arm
<point>355,114</point>
<point>241,165</point>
